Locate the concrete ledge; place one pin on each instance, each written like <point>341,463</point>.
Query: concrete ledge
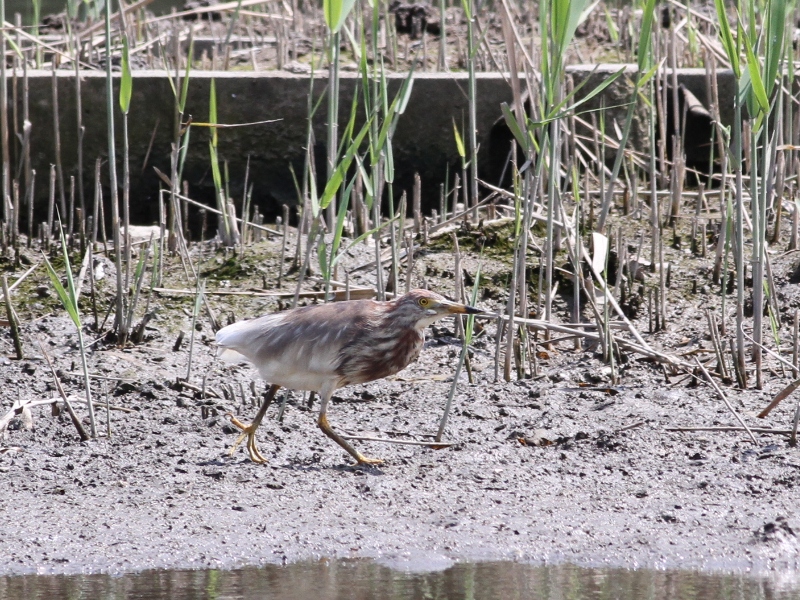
<point>423,142</point>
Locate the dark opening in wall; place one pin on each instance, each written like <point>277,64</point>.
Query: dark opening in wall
<point>695,127</point>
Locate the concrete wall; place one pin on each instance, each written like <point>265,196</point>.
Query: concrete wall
<point>423,141</point>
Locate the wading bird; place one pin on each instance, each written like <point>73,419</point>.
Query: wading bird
<point>324,347</point>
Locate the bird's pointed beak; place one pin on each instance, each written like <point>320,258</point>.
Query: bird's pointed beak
<point>454,308</point>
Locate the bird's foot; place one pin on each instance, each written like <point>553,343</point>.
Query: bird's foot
<point>363,460</point>
<point>360,458</point>
<point>249,432</point>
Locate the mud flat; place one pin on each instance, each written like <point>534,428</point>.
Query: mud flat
<point>561,467</point>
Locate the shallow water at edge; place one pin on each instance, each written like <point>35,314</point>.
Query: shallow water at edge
<point>361,579</point>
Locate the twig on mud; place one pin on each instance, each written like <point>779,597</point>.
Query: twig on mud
<point>782,360</point>
<point>750,430</point>
<point>612,301</point>
<point>13,320</point>
<point>114,17</point>
<point>22,277</point>
<point>105,377</point>
<point>793,438</point>
<point>227,6</point>
<point>361,438</point>
<point>9,27</point>
<point>18,407</point>
<point>103,404</point>
<point>108,412</point>
<point>218,212</point>
<point>75,421</point>
<point>539,324</point>
<point>201,285</point>
<point>779,397</point>
<point>206,391</point>
<point>725,400</point>
<point>82,273</point>
<point>435,230</point>
<point>632,426</point>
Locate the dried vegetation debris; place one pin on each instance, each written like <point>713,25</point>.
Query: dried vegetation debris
<point>272,37</point>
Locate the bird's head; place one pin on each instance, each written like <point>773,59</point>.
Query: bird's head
<point>422,307</point>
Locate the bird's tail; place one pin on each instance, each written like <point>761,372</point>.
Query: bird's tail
<point>230,356</point>
<point>230,337</point>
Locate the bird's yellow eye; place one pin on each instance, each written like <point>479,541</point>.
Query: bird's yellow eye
<point>423,302</point>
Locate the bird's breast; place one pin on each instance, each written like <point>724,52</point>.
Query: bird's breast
<point>380,355</point>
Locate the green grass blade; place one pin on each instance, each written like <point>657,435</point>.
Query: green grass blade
<point>212,112</point>
<point>166,68</point>
<point>138,272</point>
<point>14,46</point>
<point>394,109</point>
<point>312,191</point>
<point>62,293</point>
<point>513,125</point>
<point>470,325</point>
<point>322,256</point>
<point>573,13</point>
<point>388,164</point>
<point>332,187</point>
<point>726,37</point>
<point>649,75</point>
<point>365,178</point>
<point>73,296</point>
<point>557,113</point>
<point>365,235</point>
<point>215,173</point>
<point>185,83</point>
<point>405,93</point>
<point>358,50</point>
<point>340,218</point>
<point>645,37</point>
<point>756,83</point>
<point>459,142</point>
<point>232,23</point>
<point>126,83</point>
<point>336,12</point>
<point>776,35</point>
<point>67,296</point>
<point>184,151</point>
<point>612,27</point>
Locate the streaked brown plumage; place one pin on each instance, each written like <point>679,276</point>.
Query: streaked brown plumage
<point>325,347</point>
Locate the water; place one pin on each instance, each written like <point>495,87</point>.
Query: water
<point>362,579</point>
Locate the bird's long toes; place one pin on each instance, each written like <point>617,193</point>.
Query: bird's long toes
<point>238,441</point>
<point>235,421</point>
<point>363,460</point>
<point>253,451</point>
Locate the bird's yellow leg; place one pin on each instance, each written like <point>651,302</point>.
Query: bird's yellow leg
<point>326,428</point>
<point>249,431</point>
